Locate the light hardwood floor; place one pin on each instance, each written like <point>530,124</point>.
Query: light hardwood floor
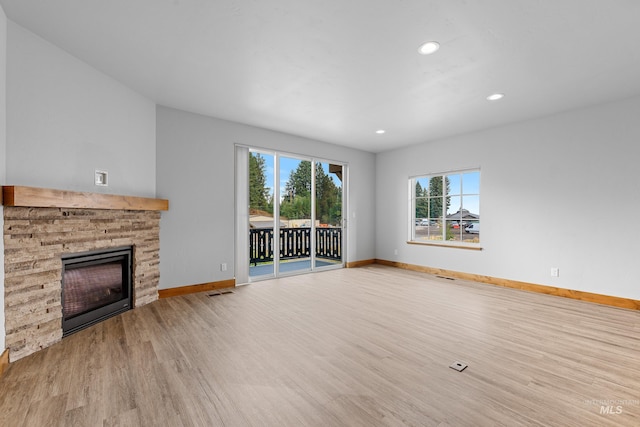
<point>355,347</point>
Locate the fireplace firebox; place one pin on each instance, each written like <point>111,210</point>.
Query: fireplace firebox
<point>95,286</point>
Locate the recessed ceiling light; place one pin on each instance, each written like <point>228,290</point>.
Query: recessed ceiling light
<point>380,131</point>
<point>495,96</point>
<point>428,48</point>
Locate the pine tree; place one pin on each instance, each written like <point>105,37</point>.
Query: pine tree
<point>258,193</point>
<point>437,193</point>
<point>422,203</point>
<point>296,200</point>
<point>328,198</point>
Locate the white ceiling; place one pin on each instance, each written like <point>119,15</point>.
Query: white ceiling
<point>338,70</point>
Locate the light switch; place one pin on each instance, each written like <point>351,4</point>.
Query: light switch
<point>102,178</point>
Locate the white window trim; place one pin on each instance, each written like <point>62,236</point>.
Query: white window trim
<point>412,212</point>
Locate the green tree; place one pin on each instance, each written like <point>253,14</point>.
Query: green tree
<point>422,203</point>
<point>298,207</point>
<point>438,190</point>
<point>300,180</point>
<point>259,197</point>
<point>328,198</point>
<point>335,212</point>
<point>296,200</point>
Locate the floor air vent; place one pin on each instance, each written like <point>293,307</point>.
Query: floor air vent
<point>447,278</point>
<point>215,294</point>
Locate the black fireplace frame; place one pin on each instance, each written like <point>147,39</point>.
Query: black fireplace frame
<point>124,255</point>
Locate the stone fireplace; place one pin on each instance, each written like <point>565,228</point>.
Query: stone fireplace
<point>37,238</point>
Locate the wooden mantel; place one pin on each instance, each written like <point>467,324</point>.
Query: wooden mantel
<point>13,195</point>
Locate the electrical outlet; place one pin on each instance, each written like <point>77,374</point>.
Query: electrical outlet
<point>223,266</point>
<point>395,252</point>
<point>555,272</point>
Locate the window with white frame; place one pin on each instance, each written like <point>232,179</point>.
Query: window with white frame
<point>445,207</point>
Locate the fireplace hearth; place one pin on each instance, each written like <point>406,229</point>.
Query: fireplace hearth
<point>95,286</point>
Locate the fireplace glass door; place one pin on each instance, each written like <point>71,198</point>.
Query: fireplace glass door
<point>95,286</point>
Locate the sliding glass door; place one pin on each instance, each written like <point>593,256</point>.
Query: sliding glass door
<point>295,217</point>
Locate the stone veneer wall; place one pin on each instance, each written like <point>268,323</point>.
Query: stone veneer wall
<point>34,241</point>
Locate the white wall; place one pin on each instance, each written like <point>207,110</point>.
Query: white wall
<point>3,156</point>
<point>560,191</point>
<point>66,119</point>
<point>195,171</point>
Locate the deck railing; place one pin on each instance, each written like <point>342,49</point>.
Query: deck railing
<point>295,243</point>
